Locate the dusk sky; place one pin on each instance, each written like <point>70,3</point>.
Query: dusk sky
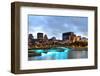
<point>54,26</point>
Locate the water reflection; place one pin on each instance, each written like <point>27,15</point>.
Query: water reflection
<point>78,54</point>
<point>58,53</point>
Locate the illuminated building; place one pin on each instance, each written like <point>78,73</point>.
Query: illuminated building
<point>68,35</point>
<point>78,38</point>
<point>72,38</point>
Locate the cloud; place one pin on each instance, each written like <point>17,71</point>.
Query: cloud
<point>56,25</point>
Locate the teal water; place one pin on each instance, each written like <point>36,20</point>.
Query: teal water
<point>58,54</point>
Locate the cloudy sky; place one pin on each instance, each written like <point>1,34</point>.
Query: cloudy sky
<point>54,26</point>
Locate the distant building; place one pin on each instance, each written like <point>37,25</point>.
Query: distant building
<point>84,39</point>
<point>72,38</point>
<point>39,35</point>
<point>53,38</point>
<point>78,38</point>
<point>30,36</point>
<point>68,35</point>
<point>45,37</point>
<point>30,40</point>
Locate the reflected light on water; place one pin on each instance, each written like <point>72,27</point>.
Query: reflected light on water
<point>52,54</point>
<point>58,54</point>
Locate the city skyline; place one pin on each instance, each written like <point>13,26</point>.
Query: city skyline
<point>55,37</point>
<point>54,26</point>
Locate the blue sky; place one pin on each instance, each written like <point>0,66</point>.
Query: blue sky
<point>54,26</point>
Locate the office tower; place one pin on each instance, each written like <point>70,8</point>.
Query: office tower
<point>45,37</point>
<point>66,35</point>
<point>39,35</point>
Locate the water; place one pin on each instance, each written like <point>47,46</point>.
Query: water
<point>58,54</point>
<point>78,54</point>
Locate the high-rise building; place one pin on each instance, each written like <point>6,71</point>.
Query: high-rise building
<point>45,37</point>
<point>66,36</point>
<point>39,35</point>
